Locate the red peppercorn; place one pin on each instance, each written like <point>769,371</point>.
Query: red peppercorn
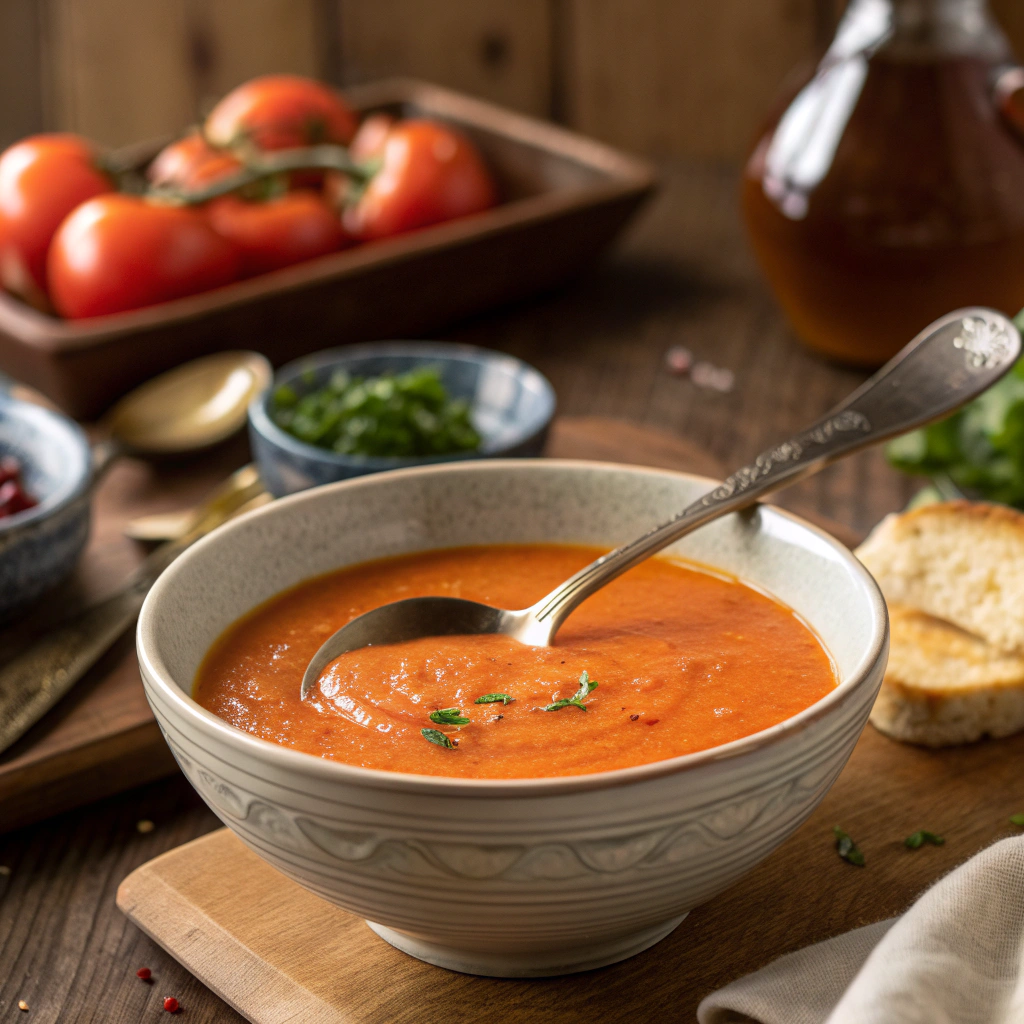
<point>10,469</point>
<point>144,973</point>
<point>171,1004</point>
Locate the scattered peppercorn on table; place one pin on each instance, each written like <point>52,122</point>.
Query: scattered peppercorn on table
<point>67,953</point>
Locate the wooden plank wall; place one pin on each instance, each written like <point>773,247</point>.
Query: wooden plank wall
<point>663,77</point>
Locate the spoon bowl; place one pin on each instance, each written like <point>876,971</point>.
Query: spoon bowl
<point>949,363</point>
<point>191,407</point>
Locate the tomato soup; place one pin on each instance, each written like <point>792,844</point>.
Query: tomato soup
<point>684,659</point>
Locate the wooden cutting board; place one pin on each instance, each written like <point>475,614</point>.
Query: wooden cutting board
<point>102,738</point>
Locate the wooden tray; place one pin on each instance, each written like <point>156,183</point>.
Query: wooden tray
<point>277,953</point>
<point>566,197</point>
<point>102,738</point>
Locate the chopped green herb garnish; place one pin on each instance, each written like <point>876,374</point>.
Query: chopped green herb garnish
<point>438,737</point>
<point>847,848</point>
<point>494,698</point>
<point>576,700</point>
<point>286,396</point>
<point>1017,819</point>
<point>449,716</point>
<point>918,839</point>
<point>407,414</point>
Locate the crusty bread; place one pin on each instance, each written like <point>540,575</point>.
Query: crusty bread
<point>944,686</point>
<point>959,561</point>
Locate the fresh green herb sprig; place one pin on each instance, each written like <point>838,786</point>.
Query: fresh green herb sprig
<point>1017,819</point>
<point>438,737</point>
<point>980,448</point>
<point>494,698</point>
<point>587,686</point>
<point>408,414</point>
<point>918,839</point>
<point>449,716</point>
<point>847,848</point>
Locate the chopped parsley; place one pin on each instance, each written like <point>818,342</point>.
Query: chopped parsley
<point>1017,819</point>
<point>438,737</point>
<point>587,686</point>
<point>847,848</point>
<point>449,716</point>
<point>918,839</point>
<point>494,698</point>
<point>404,415</point>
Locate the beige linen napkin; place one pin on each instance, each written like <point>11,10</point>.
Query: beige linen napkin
<point>955,957</point>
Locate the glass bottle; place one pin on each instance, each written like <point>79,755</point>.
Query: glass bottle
<point>890,190</point>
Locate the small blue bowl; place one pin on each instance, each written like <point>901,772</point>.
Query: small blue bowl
<point>511,405</point>
<point>40,546</point>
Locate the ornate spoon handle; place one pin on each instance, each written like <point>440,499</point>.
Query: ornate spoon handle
<point>951,362</point>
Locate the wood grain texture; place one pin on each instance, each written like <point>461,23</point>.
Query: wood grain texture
<point>1010,15</point>
<point>246,931</point>
<point>657,76</point>
<point>230,41</point>
<point>670,78</point>
<point>21,99</point>
<point>496,50</point>
<point>119,71</point>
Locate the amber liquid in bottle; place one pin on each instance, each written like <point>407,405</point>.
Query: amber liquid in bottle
<point>913,208</point>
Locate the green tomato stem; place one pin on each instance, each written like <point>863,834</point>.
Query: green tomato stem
<point>257,167</point>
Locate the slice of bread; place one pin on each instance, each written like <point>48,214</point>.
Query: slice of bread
<point>944,686</point>
<point>959,561</point>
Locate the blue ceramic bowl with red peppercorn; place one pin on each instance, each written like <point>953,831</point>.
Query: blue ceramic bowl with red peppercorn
<point>40,544</point>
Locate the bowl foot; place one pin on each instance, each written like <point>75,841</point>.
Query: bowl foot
<point>527,965</point>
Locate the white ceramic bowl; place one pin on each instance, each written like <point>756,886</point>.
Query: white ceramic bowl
<point>526,877</point>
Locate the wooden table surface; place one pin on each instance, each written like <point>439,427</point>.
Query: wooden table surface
<point>683,277</point>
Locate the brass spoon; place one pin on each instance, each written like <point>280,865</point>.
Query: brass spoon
<point>189,408</point>
<point>161,526</point>
<point>945,366</point>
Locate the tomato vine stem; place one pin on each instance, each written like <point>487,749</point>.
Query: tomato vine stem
<point>257,167</point>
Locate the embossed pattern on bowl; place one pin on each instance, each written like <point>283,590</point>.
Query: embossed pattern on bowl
<point>552,875</point>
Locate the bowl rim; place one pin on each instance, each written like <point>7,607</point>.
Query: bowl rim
<point>293,761</point>
<point>261,421</point>
<point>70,488</point>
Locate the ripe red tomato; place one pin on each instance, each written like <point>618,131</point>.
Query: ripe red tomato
<point>118,252</point>
<point>42,179</point>
<point>430,173</point>
<point>371,137</point>
<point>280,112</point>
<point>278,232</point>
<point>190,163</point>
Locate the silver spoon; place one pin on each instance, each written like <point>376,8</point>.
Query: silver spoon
<point>945,366</point>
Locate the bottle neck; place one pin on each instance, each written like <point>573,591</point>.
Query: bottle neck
<point>925,29</point>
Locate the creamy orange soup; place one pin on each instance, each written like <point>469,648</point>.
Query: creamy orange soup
<point>684,659</point>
